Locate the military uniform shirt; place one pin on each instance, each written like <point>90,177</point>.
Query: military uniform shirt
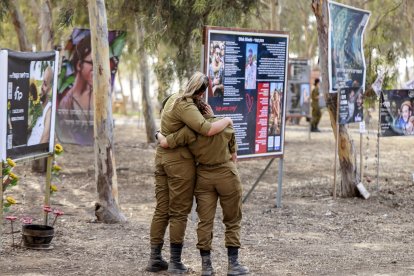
<point>223,143</point>
<point>183,113</point>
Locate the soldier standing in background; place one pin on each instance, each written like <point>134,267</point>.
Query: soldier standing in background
<point>316,110</point>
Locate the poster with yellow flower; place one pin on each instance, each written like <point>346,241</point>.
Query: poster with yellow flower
<point>28,103</point>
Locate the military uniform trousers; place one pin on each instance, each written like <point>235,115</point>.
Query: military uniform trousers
<point>316,116</point>
<point>218,182</point>
<point>174,187</point>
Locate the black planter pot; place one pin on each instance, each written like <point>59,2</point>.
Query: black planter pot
<point>37,236</point>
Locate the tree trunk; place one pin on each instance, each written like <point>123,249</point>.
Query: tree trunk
<point>346,151</point>
<point>275,19</point>
<point>46,26</point>
<point>131,92</point>
<point>35,10</point>
<point>144,80</point>
<point>19,26</point>
<point>107,209</point>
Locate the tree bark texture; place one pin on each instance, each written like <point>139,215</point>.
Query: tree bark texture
<point>144,80</point>
<point>46,26</point>
<point>19,26</point>
<point>35,10</point>
<point>346,151</point>
<point>275,19</point>
<point>107,209</point>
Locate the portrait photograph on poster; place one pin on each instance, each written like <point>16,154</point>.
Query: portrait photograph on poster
<point>251,66</point>
<point>251,69</point>
<point>40,102</point>
<point>345,46</point>
<point>351,109</point>
<point>216,69</point>
<point>275,109</point>
<point>75,97</point>
<point>305,99</point>
<point>397,117</point>
<point>30,92</point>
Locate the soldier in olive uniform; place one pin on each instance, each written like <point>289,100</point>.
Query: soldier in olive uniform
<point>316,110</point>
<point>175,174</point>
<point>217,179</point>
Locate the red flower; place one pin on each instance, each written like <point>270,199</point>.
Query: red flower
<point>11,218</point>
<point>26,220</point>
<point>47,209</point>
<point>58,212</point>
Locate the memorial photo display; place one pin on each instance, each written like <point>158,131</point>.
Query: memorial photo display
<point>351,105</point>
<point>28,82</point>
<point>397,116</point>
<point>345,46</point>
<point>298,91</point>
<point>247,73</point>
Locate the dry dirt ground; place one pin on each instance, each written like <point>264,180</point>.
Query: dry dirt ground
<point>311,234</point>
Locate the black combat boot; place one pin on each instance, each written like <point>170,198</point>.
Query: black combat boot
<point>234,267</point>
<point>156,262</point>
<point>312,128</point>
<point>206,267</point>
<point>176,266</point>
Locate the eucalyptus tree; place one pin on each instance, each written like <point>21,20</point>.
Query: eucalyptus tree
<point>346,151</point>
<point>19,26</point>
<point>107,209</point>
<point>179,26</point>
<point>389,37</point>
<point>46,25</point>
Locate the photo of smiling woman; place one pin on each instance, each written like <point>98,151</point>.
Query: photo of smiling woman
<point>75,109</point>
<point>75,87</point>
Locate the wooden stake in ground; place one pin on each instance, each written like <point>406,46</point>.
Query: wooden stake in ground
<point>107,209</point>
<point>336,148</point>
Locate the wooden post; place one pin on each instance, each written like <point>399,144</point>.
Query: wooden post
<point>378,141</point>
<point>336,146</point>
<point>47,186</point>
<point>361,167</point>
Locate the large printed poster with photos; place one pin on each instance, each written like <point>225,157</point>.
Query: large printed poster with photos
<point>298,94</point>
<point>345,43</point>
<point>397,116</point>
<point>247,72</point>
<point>351,108</point>
<point>75,87</point>
<point>27,103</point>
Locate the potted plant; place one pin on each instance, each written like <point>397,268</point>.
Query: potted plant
<point>39,236</point>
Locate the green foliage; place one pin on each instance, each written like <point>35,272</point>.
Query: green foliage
<point>387,39</point>
<point>164,70</point>
<point>65,18</point>
<point>174,31</point>
<point>117,45</point>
